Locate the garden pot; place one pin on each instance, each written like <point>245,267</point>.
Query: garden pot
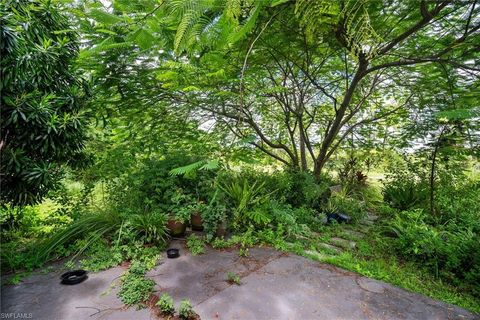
<point>196,221</point>
<point>221,229</point>
<point>176,229</point>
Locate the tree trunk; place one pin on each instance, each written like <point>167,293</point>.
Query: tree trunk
<point>303,155</point>
<point>330,136</point>
<point>432,173</point>
<point>317,169</point>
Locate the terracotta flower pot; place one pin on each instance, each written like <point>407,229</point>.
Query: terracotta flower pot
<point>176,229</point>
<point>196,221</point>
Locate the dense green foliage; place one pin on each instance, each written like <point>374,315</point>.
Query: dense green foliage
<point>165,303</point>
<point>269,120</point>
<point>42,100</point>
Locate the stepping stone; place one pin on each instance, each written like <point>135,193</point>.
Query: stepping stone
<point>329,247</point>
<point>320,256</point>
<point>347,244</point>
<point>372,217</point>
<point>354,233</point>
<point>367,222</point>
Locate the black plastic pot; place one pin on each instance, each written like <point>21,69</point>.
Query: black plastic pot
<point>173,253</point>
<point>74,277</point>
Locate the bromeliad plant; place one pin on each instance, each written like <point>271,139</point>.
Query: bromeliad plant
<point>246,197</point>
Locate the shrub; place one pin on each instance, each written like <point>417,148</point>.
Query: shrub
<point>43,100</point>
<point>101,256</point>
<point>404,187</point>
<point>109,225</point>
<point>403,194</point>
<point>450,250</point>
<point>196,245</point>
<point>415,237</point>
<point>343,203</point>
<point>92,227</point>
<point>186,310</point>
<point>351,175</point>
<point>165,303</point>
<point>135,289</point>
<point>301,189</point>
<point>213,215</point>
<point>151,186</point>
<point>150,227</point>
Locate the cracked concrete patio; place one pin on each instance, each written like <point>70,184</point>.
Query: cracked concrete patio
<point>274,285</point>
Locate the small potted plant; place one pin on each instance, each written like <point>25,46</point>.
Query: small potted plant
<point>179,214</point>
<point>196,220</point>
<point>177,224</point>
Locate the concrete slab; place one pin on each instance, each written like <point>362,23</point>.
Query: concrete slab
<point>42,296</point>
<point>292,287</point>
<point>201,277</point>
<point>274,285</point>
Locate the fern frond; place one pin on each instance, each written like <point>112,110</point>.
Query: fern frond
<point>314,15</point>
<point>248,25</point>
<point>188,169</point>
<point>358,33</point>
<point>192,168</point>
<point>211,165</point>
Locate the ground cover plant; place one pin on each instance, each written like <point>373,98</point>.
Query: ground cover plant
<point>343,131</point>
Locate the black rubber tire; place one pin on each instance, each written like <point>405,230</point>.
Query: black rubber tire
<point>74,277</point>
<point>173,253</point>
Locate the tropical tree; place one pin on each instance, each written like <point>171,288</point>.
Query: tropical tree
<point>42,98</point>
<point>292,78</point>
<point>443,126</point>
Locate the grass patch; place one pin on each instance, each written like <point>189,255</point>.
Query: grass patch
<point>405,275</point>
